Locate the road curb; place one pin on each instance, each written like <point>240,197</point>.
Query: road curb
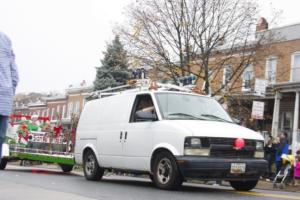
<point>264,185</point>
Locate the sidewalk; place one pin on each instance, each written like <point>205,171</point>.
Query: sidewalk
<point>264,185</point>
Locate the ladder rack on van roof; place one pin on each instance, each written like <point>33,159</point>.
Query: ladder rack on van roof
<point>139,85</point>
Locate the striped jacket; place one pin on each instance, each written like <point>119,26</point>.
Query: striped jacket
<point>8,75</point>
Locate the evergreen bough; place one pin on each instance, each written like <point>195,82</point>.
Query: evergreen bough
<point>114,69</point>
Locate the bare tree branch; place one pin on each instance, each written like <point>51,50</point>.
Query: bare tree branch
<point>182,37</point>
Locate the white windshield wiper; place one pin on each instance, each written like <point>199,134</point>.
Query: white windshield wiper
<point>186,115</point>
<point>215,117</point>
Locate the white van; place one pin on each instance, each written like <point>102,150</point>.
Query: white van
<point>172,136</point>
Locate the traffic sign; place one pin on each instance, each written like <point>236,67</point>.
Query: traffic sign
<point>258,110</point>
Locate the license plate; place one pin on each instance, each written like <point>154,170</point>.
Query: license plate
<point>238,168</point>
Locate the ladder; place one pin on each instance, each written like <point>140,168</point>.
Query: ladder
<point>139,85</point>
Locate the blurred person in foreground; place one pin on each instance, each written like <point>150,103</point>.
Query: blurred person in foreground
<point>8,82</point>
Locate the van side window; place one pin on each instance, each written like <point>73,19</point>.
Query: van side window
<point>143,109</point>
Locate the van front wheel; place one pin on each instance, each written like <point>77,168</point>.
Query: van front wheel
<point>165,172</point>
<point>91,168</point>
<point>243,185</point>
<point>3,163</point>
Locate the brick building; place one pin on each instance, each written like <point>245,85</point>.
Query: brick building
<point>56,107</point>
<point>36,108</point>
<point>277,62</point>
<point>21,109</point>
<point>76,95</point>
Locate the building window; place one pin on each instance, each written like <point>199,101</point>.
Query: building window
<point>247,77</point>
<point>295,68</point>
<point>287,123</point>
<point>271,70</point>
<point>63,111</point>
<point>77,106</point>
<point>227,73</point>
<point>70,109</point>
<point>52,114</point>
<point>58,110</point>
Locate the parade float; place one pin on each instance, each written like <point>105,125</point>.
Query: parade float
<point>35,138</point>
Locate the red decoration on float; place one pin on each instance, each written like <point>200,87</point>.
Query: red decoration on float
<point>12,116</point>
<point>57,131</point>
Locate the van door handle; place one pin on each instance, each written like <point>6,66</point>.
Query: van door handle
<point>121,134</point>
<point>125,135</point>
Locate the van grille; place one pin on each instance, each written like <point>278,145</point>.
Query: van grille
<point>230,141</point>
<point>232,153</point>
<point>223,147</point>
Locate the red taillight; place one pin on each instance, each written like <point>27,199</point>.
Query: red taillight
<point>239,143</point>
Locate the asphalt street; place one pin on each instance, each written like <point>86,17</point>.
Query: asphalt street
<point>27,183</point>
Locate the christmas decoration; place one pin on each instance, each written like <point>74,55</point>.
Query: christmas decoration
<point>46,127</point>
<point>23,133</point>
<point>35,123</point>
<point>57,131</point>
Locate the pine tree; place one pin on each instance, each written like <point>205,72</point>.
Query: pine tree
<point>114,69</point>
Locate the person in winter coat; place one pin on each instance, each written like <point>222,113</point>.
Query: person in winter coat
<point>270,155</point>
<point>282,148</point>
<point>8,83</point>
<point>297,168</point>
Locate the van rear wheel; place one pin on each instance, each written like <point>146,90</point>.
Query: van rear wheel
<point>92,170</point>
<point>165,172</point>
<point>66,168</point>
<point>243,185</point>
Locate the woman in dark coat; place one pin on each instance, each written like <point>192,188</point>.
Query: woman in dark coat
<point>270,155</point>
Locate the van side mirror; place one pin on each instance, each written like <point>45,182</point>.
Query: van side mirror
<point>145,116</point>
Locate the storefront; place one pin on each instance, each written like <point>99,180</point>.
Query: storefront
<point>240,108</point>
<point>286,112</point>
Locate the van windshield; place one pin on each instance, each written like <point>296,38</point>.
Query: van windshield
<point>175,106</point>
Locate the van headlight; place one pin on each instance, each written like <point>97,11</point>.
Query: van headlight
<point>196,152</point>
<point>259,154</point>
<point>195,142</point>
<point>196,146</point>
<point>259,146</point>
<point>259,150</point>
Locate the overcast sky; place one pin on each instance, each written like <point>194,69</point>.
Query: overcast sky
<point>59,42</point>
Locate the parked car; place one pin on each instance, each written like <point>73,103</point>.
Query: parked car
<point>172,136</point>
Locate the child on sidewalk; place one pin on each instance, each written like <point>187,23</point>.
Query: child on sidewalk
<point>297,169</point>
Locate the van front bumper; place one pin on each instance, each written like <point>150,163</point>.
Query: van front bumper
<point>209,168</point>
